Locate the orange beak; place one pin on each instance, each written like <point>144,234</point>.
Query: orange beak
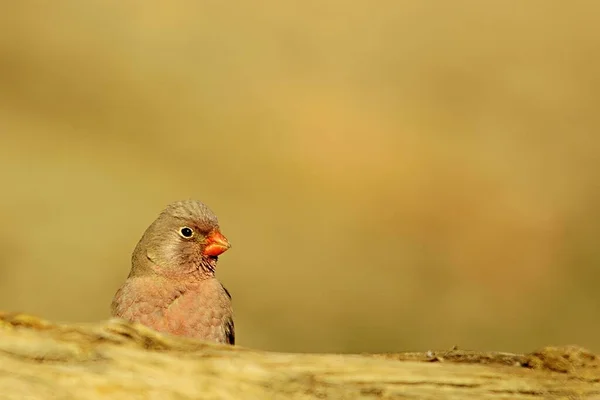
<point>216,244</point>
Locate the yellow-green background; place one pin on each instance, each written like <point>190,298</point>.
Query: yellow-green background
<point>393,175</point>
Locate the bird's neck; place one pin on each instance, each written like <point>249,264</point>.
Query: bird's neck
<point>149,268</point>
<point>143,265</point>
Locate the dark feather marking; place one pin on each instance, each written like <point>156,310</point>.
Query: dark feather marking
<point>230,331</point>
<point>226,291</point>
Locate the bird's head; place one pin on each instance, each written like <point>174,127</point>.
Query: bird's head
<point>184,239</point>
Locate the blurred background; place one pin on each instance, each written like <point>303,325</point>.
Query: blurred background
<point>400,176</point>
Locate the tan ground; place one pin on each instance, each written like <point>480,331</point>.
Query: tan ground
<point>42,360</point>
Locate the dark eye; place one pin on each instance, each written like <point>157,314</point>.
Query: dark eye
<point>186,232</point>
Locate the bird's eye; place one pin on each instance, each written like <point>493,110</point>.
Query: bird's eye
<point>186,232</point>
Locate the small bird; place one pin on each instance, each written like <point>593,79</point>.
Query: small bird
<point>172,286</point>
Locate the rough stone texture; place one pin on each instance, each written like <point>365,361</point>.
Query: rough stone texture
<point>118,360</point>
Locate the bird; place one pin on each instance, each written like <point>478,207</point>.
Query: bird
<point>172,287</point>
